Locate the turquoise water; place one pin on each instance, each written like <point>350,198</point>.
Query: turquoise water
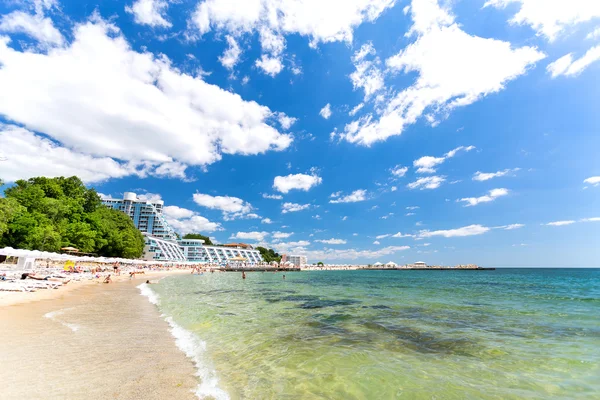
<point>504,334</point>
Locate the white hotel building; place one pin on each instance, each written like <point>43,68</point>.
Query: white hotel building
<point>162,244</point>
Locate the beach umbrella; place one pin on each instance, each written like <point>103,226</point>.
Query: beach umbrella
<point>69,248</point>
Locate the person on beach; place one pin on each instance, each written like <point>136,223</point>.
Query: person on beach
<point>107,279</point>
<point>243,275</point>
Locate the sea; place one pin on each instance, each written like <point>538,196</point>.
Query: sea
<point>501,334</point>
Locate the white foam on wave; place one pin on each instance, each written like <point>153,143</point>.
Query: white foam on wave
<point>149,293</point>
<point>53,314</point>
<point>194,348</point>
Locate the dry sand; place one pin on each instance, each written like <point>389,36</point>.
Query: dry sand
<point>94,341</point>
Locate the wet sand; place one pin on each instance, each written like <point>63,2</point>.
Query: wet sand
<point>93,342</point>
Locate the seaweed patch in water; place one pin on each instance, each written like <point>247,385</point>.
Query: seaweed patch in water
<point>425,342</point>
<point>312,304</point>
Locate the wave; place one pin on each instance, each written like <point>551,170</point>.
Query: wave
<point>149,293</point>
<point>53,314</point>
<point>194,348</point>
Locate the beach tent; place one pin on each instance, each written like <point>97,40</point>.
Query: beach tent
<point>377,264</point>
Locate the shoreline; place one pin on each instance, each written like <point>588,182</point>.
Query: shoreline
<point>95,343</point>
<point>8,299</point>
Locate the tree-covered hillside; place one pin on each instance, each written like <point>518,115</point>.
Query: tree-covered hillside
<point>50,213</point>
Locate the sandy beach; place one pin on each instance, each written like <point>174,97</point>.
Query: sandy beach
<point>91,341</point>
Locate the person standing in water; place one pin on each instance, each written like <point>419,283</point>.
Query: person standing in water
<point>243,275</point>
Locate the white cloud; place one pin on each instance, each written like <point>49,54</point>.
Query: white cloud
<point>272,196</point>
<point>354,197</point>
<point>325,111</point>
<point>484,176</point>
<point>328,255</point>
<point>317,217</point>
<point>560,223</point>
<point>550,17</point>
<point>382,236</point>
<point>491,196</point>
<point>427,164</point>
<point>303,182</point>
<point>428,182</point>
<point>412,207</point>
<point>356,109</point>
<point>470,230</point>
<point>149,12</point>
<point>331,23</point>
<point>154,197</point>
<point>402,235</point>
<point>399,171</point>
<point>269,65</point>
<point>266,221</point>
<point>510,227</point>
<point>281,235</point>
<point>285,121</point>
<point>132,106</point>
<point>271,42</point>
<point>36,26</point>
<point>569,222</point>
<point>172,211</point>
<point>285,247</point>
<point>410,214</point>
<point>393,188</point>
<point>332,241</point>
<point>232,207</point>
<point>293,207</point>
<point>257,236</point>
<point>454,69</point>
<point>592,180</point>
<point>367,74</point>
<point>29,155</point>
<point>568,67</point>
<point>187,221</point>
<point>344,218</point>
<point>231,55</point>
<point>595,34</point>
<point>593,219</point>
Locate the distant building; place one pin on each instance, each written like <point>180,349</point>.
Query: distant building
<point>147,216</point>
<point>196,251</point>
<point>420,264</point>
<point>162,244</point>
<point>157,249</point>
<point>296,260</point>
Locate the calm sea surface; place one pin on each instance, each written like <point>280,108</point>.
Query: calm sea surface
<point>504,334</point>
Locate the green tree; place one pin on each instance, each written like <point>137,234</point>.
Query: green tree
<point>206,239</point>
<point>320,263</point>
<point>269,255</point>
<point>49,213</point>
<point>9,209</point>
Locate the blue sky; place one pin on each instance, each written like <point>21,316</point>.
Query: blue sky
<point>350,131</point>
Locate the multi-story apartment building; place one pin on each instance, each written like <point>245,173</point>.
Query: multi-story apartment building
<point>196,251</point>
<point>296,260</point>
<point>162,250</point>
<point>146,215</point>
<point>162,243</point>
